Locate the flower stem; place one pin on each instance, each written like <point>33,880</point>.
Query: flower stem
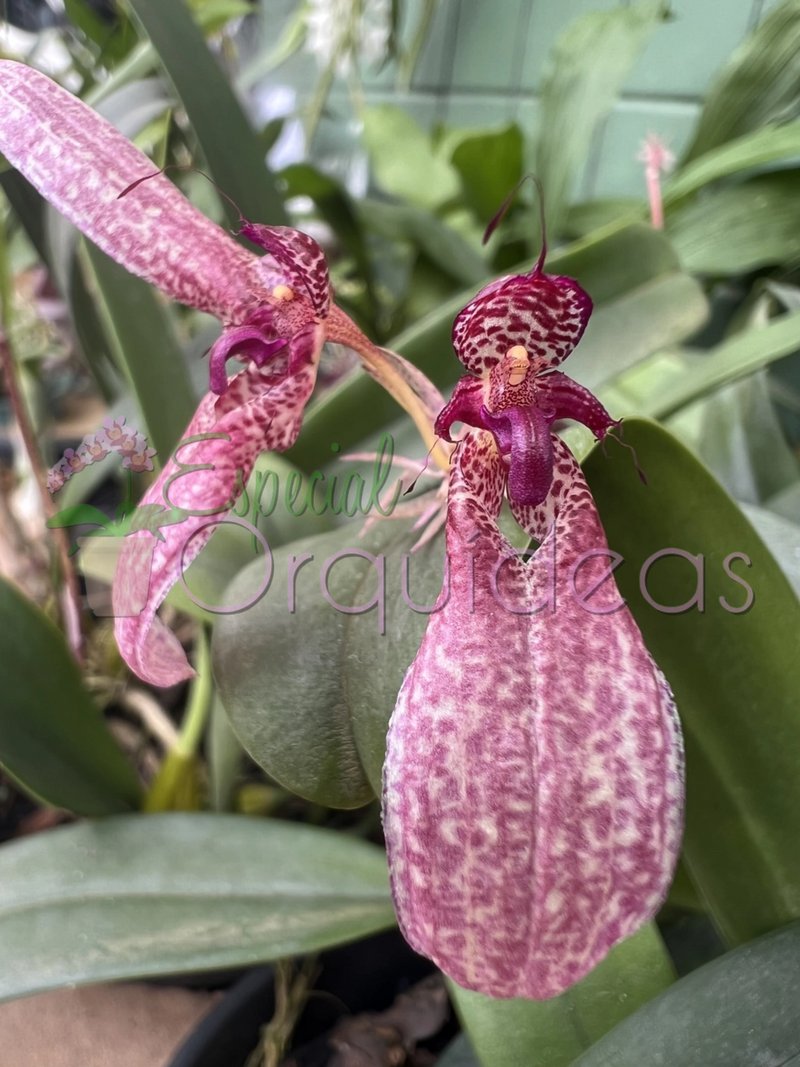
<point>199,703</point>
<point>70,592</point>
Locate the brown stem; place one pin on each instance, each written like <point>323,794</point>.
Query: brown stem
<point>70,602</point>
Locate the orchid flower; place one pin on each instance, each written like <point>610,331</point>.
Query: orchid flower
<point>276,312</point>
<point>533,778</point>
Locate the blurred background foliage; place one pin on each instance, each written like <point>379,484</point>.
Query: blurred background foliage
<point>392,132</point>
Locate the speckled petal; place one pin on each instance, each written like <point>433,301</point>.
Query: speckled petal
<point>260,411</point>
<point>81,164</point>
<point>299,256</point>
<point>544,313</point>
<point>533,778</point>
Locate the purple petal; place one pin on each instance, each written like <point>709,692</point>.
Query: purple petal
<point>81,164</point>
<point>533,777</point>
<point>567,400</point>
<point>544,313</point>
<point>256,414</point>
<point>300,256</point>
<point>465,405</point>
<point>523,434</point>
<point>249,341</point>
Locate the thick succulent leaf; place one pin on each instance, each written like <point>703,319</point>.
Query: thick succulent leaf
<point>524,1033</point>
<point>532,788</point>
<point>586,70</point>
<point>166,894</point>
<point>760,83</point>
<point>280,671</point>
<point>80,164</point>
<point>734,230</point>
<point>735,675</point>
<point>53,740</point>
<point>607,265</point>
<point>738,1011</point>
<point>230,146</point>
<point>490,165</point>
<point>772,144</point>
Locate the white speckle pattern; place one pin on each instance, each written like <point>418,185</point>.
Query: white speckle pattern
<point>533,782</point>
<point>81,164</point>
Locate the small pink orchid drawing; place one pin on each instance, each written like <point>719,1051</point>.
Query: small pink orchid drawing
<point>114,436</point>
<point>533,779</point>
<point>276,310</point>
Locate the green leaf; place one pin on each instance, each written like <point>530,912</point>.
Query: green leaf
<point>279,671</point>
<point>737,229</point>
<point>458,1054</point>
<point>586,70</point>
<point>735,676</point>
<point>728,362</point>
<point>773,144</point>
<point>551,1033</point>
<point>759,84</point>
<point>403,159</point>
<point>139,328</point>
<point>214,15</point>
<point>582,219</point>
<point>738,1011</point>
<point>490,165</point>
<point>440,242</point>
<point>231,147</point>
<point>608,264</point>
<point>167,894</point>
<point>53,740</point>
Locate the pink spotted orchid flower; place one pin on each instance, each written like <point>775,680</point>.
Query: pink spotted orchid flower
<point>276,310</point>
<point>533,777</point>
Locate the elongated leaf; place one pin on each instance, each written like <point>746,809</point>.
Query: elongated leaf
<point>728,362</point>
<point>162,894</point>
<point>773,144</point>
<point>760,83</point>
<point>53,740</point>
<point>586,70</point>
<point>735,675</point>
<point>225,757</point>
<point>403,159</point>
<point>231,147</point>
<point>738,1011</point>
<point>781,537</point>
<point>490,165</point>
<point>552,1033</point>
<point>608,264</point>
<point>139,328</point>
<point>733,230</point>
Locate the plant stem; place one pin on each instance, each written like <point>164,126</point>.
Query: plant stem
<point>199,703</point>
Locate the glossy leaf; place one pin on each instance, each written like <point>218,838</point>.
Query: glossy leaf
<point>586,70</point>
<point>733,230</point>
<point>735,676</point>
<point>53,740</point>
<point>759,84</point>
<point>608,265</point>
<point>140,330</point>
<point>552,1033</point>
<point>772,144</point>
<point>279,671</point>
<point>738,1011</point>
<point>230,146</point>
<point>166,894</point>
<point>490,165</point>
